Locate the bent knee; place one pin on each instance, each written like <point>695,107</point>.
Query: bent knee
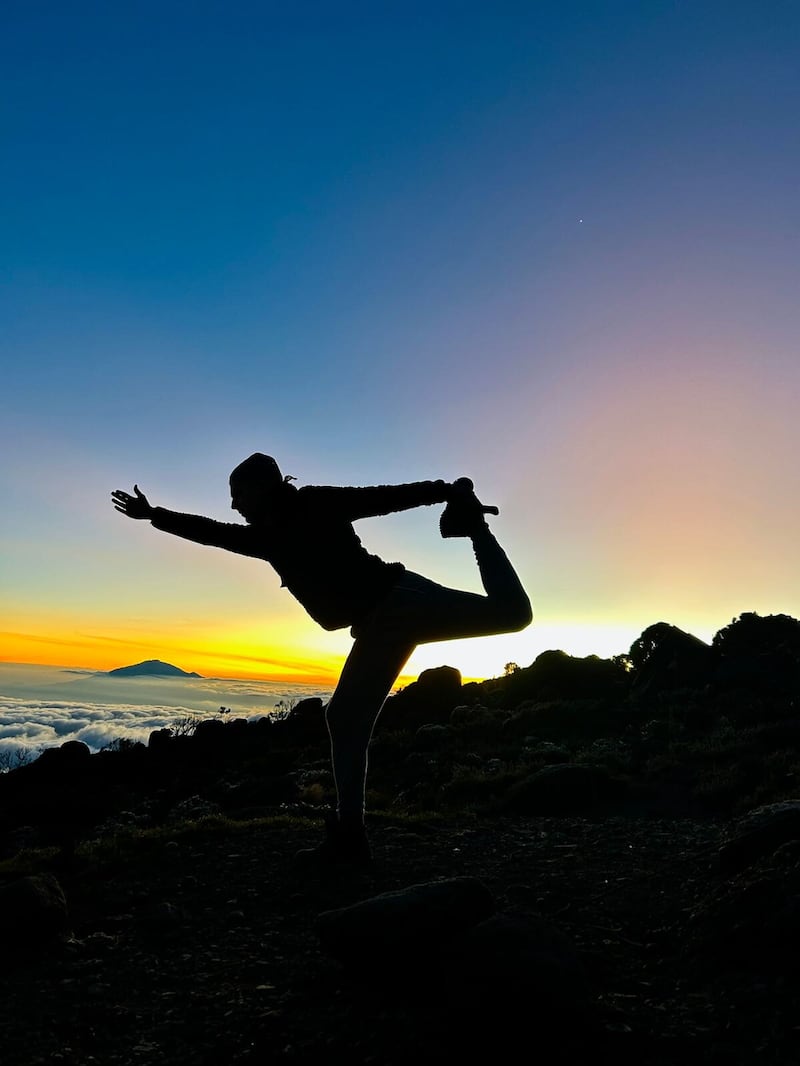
<point>519,616</point>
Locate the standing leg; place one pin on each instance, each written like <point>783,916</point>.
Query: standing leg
<point>372,667</point>
<point>369,672</point>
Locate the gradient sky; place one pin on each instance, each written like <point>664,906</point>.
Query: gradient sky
<point>553,246</point>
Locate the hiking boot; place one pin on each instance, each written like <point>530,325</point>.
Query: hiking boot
<point>342,846</point>
<point>463,515</point>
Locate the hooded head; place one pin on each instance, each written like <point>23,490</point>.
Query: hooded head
<point>257,468</point>
<point>256,485</point>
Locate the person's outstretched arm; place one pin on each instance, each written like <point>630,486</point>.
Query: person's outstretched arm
<point>228,535</point>
<point>373,500</point>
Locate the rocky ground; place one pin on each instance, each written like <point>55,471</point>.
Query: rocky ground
<point>202,946</point>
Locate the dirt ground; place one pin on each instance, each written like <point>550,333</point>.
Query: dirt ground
<point>202,949</point>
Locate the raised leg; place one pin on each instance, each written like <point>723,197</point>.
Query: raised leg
<point>416,611</point>
<point>419,611</point>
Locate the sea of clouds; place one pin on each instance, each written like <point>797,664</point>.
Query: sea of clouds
<point>44,706</point>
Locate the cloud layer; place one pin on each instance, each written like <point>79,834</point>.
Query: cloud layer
<point>43,707</point>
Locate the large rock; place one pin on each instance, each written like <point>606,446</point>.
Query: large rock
<point>159,740</point>
<point>488,978</point>
<point>305,723</point>
<point>759,833</point>
<point>516,965</point>
<point>556,675</point>
<point>411,923</point>
<point>752,634</point>
<point>71,756</point>
<point>563,788</point>
<point>759,653</point>
<point>751,921</point>
<point>665,657</point>
<point>429,699</point>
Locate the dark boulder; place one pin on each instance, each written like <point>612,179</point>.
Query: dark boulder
<point>159,740</point>
<point>429,699</point>
<point>488,978</point>
<point>305,723</point>
<point>753,634</point>
<point>518,965</point>
<point>759,653</point>
<point>751,921</point>
<point>665,657</point>
<point>210,735</point>
<point>564,788</point>
<point>411,923</point>
<point>72,755</point>
<point>759,833</point>
<point>556,675</point>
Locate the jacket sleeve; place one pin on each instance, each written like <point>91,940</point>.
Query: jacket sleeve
<point>228,535</point>
<point>367,502</point>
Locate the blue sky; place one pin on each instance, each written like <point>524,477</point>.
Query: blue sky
<point>552,246</point>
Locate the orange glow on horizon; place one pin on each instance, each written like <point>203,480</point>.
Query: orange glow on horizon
<point>273,664</point>
<point>76,654</point>
<point>41,646</point>
<point>243,659</point>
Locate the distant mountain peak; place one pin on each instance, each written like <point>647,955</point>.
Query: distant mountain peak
<point>151,668</point>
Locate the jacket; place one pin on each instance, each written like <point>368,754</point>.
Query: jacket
<point>312,545</point>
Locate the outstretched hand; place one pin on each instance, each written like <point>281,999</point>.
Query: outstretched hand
<point>137,506</point>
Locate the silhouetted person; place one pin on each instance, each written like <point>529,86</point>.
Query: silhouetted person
<point>307,535</point>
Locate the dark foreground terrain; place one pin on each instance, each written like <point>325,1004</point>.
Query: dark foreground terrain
<point>587,860</point>
<point>202,946</point>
